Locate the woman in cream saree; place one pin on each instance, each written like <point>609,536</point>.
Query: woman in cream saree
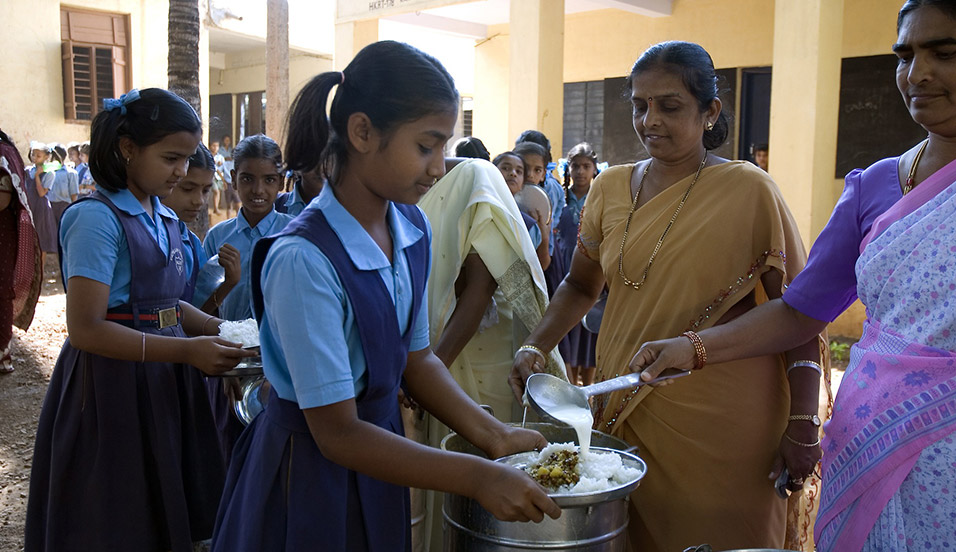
<point>475,220</point>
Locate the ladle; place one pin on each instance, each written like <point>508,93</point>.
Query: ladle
<point>547,394</point>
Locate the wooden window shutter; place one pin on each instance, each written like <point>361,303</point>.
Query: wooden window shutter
<point>69,91</point>
<point>120,70</point>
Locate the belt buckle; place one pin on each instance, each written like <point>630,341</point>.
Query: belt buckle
<point>167,318</point>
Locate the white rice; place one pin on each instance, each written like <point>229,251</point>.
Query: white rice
<point>244,331</point>
<point>598,471</point>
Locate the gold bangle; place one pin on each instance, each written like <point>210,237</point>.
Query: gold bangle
<point>143,359</point>
<point>700,352</point>
<point>799,444</point>
<point>532,349</point>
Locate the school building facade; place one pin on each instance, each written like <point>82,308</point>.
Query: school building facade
<point>63,58</point>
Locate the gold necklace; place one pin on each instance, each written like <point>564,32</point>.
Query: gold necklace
<point>627,225</point>
<point>911,177</point>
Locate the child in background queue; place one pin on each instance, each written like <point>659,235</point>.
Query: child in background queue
<point>125,455</point>
<point>39,180</point>
<point>544,178</point>
<point>339,296</point>
<point>258,177</point>
<point>87,186</point>
<point>66,185</point>
<point>581,169</point>
<point>219,177</point>
<point>533,199</point>
<point>512,169</point>
<point>305,188</point>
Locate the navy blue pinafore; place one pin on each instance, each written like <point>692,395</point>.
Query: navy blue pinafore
<point>281,493</point>
<point>126,455</point>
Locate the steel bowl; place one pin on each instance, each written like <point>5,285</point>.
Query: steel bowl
<point>523,459</point>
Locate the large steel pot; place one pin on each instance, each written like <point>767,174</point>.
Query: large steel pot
<point>593,523</point>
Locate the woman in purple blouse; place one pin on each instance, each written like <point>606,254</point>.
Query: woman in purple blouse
<point>889,449</point>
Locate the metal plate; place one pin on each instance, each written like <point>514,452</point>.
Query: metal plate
<point>523,459</point>
<point>243,371</point>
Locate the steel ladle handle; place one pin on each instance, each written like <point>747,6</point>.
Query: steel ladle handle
<point>628,381</point>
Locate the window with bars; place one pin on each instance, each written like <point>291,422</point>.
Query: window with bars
<point>94,51</point>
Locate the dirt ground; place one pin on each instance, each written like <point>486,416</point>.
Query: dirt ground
<point>21,395</point>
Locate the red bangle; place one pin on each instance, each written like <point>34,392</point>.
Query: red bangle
<point>699,351</point>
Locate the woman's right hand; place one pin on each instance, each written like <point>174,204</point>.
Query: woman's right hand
<point>230,262</point>
<point>526,363</point>
<point>214,355</point>
<point>511,495</point>
<point>656,356</point>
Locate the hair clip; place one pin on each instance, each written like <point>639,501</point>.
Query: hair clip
<point>109,104</point>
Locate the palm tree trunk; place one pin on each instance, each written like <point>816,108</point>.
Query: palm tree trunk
<point>183,69</point>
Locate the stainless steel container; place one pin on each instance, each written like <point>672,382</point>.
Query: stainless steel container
<point>596,523</point>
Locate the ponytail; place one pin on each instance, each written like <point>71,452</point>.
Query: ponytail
<point>390,82</point>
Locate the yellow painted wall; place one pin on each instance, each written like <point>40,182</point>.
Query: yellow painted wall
<point>246,72</point>
<point>32,100</point>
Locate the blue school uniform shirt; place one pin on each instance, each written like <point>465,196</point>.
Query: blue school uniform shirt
<point>192,245</point>
<point>237,232</point>
<point>46,179</point>
<point>290,202</point>
<point>94,242</point>
<point>556,194</point>
<point>66,182</point>
<point>575,204</point>
<point>311,347</point>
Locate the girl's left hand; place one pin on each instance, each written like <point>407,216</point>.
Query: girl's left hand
<point>514,440</point>
<point>799,461</point>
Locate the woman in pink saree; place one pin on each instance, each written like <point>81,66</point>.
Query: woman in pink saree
<point>890,448</point>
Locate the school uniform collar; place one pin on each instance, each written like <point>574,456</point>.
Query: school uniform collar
<point>125,201</point>
<point>361,248</point>
<point>264,227</point>
<point>294,197</point>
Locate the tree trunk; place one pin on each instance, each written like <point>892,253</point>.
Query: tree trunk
<point>277,69</point>
<point>183,69</point>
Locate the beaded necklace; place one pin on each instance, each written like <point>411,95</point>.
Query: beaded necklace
<point>627,225</point>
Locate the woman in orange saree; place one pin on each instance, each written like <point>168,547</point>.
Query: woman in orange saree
<point>687,240</point>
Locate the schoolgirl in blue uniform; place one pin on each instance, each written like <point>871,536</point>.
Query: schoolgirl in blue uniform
<point>257,177</point>
<point>66,185</point>
<point>125,455</point>
<point>187,200</point>
<point>339,296</point>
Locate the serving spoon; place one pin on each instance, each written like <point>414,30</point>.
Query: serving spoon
<point>550,395</point>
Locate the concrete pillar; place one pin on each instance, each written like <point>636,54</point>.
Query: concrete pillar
<point>804,107</point>
<point>536,74</point>
<point>351,37</point>
<point>204,76</point>
<point>277,69</point>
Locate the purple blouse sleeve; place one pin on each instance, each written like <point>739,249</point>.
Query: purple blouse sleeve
<point>827,286</point>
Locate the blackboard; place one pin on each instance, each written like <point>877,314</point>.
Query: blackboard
<point>620,142</point>
<point>874,123</point>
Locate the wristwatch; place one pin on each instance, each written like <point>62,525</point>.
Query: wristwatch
<point>812,418</point>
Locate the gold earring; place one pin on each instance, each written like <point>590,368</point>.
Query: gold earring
<point>709,126</point>
<point>127,161</point>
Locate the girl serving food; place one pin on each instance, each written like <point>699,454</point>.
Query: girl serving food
<point>327,463</point>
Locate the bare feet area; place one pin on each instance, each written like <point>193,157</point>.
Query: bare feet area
<point>21,396</point>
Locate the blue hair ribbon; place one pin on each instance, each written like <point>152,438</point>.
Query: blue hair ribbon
<point>109,104</point>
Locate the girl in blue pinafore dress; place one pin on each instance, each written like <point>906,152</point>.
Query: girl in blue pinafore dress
<point>187,200</point>
<point>339,296</point>
<point>126,455</point>
<point>581,168</point>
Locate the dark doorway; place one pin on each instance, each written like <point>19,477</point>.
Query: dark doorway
<point>220,117</point>
<point>754,110</point>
